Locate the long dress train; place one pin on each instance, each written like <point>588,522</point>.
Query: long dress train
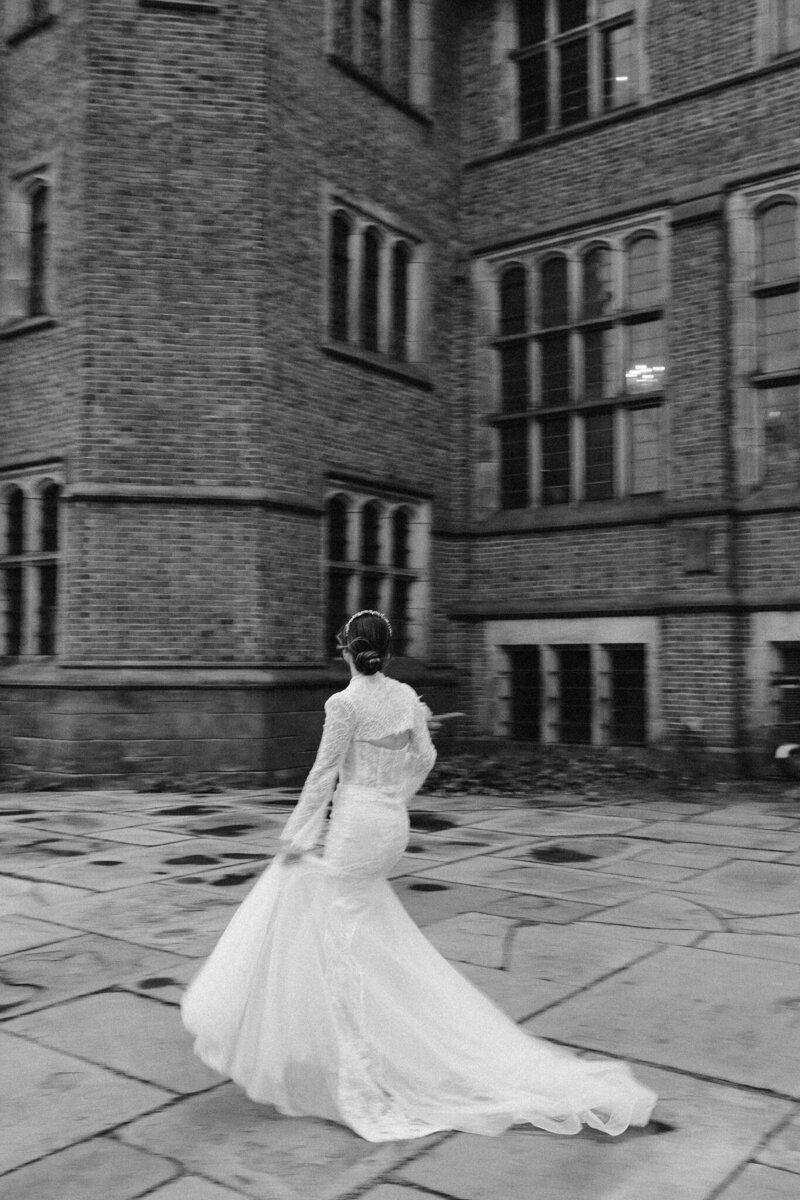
<point>322,997</point>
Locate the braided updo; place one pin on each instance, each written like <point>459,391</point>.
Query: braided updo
<point>368,637</point>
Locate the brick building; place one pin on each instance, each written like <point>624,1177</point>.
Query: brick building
<point>481,312</point>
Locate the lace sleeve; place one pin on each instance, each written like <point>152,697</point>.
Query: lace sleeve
<point>304,828</point>
<point>423,751</point>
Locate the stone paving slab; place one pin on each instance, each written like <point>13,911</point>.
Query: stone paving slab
<point>761,1183</point>
<point>716,1129</point>
<point>192,1187</point>
<point>159,915</point>
<point>561,882</point>
<point>430,900</point>
<point>44,850</point>
<point>74,967</point>
<point>755,945</point>
<point>225,1137</point>
<point>559,960</point>
<point>722,835</point>
<point>717,1015</point>
<point>33,898</point>
<point>59,821</point>
<point>57,1100</point>
<point>576,824</point>
<point>540,908</point>
<point>783,1149</point>
<point>141,835</point>
<point>23,933</point>
<point>154,1047</point>
<point>168,985</point>
<point>747,888</point>
<point>99,1169</point>
<point>472,937</point>
<point>661,911</point>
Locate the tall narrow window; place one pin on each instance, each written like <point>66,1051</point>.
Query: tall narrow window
<point>554,381</point>
<point>515,465</point>
<point>399,327</point>
<point>526,693</point>
<point>15,521</point>
<point>29,569</point>
<point>37,304</point>
<point>576,694</point>
<point>777,290</point>
<point>401,583</point>
<point>49,517</point>
<point>372,38</point>
<point>401,47</point>
<point>339,569</point>
<point>340,277</point>
<point>370,288</point>
<point>370,555</point>
<point>788,14</point>
<point>628,695</point>
<point>644,370</point>
<point>343,28</point>
<point>514,383</point>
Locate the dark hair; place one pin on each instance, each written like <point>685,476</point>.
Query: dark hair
<point>368,637</point>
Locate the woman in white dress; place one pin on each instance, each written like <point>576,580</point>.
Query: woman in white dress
<point>323,998</point>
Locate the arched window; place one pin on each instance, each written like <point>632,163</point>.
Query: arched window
<point>513,301</point>
<point>337,529</point>
<point>337,607</point>
<point>372,37</point>
<point>554,347</point>
<point>597,290</point>
<point>339,277</point>
<point>370,288</point>
<point>15,520</point>
<point>644,370</point>
<point>597,341</point>
<point>370,555</point>
<point>49,517</point>
<point>401,47</point>
<point>514,382</point>
<point>401,258</point>
<point>644,271</point>
<point>554,291</point>
<point>777,241</point>
<point>37,302</point>
<point>400,538</point>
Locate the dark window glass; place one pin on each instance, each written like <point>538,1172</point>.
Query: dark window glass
<point>370,535</point>
<point>401,47</point>
<point>38,250</point>
<point>49,529</point>
<point>571,14</point>
<point>370,590</point>
<point>13,605</point>
<point>555,461</point>
<point>340,276</point>
<point>15,521</point>
<point>372,38</point>
<point>400,538</point>
<point>370,290</point>
<point>514,376</point>
<point>628,695</point>
<point>526,693</point>
<point>514,464</point>
<point>554,351</point>
<point>554,293</point>
<point>576,694</point>
<point>532,21</point>
<point>777,242</point>
<point>46,624</point>
<point>401,590</point>
<point>399,331</point>
<point>598,297</point>
<point>574,81</point>
<point>533,95</point>
<point>338,606</point>
<point>513,302</point>
<point>343,28</point>
<point>599,478</point>
<point>337,529</point>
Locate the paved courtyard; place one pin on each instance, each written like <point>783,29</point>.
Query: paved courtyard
<point>663,933</point>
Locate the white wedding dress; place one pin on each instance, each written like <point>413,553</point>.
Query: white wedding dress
<point>322,997</point>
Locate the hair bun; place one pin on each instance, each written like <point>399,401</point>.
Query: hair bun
<point>368,662</point>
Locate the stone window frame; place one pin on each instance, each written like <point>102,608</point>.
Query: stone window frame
<point>23,18</point>
<point>635,411</point>
<point>27,287</point>
<point>37,562</point>
<point>361,568</point>
<point>510,59</point>
<point>777,30</point>
<point>601,636</point>
<point>379,337</point>
<point>404,69</point>
<point>766,397</point>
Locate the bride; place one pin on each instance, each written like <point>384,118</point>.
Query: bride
<point>323,998</point>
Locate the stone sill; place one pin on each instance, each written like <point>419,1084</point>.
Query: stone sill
<point>374,85</point>
<point>417,376</point>
<point>28,30</point>
<point>23,325</point>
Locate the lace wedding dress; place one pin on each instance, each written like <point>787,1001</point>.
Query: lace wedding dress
<point>322,996</point>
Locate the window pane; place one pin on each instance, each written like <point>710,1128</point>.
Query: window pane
<point>46,625</point>
<point>574,81</point>
<point>399,332</point>
<point>340,271</point>
<point>533,95</point>
<point>526,693</point>
<point>598,298</point>
<point>49,528</point>
<point>645,427</point>
<point>338,607</point>
<point>576,694</point>
<point>645,370</point>
<point>780,415</point>
<point>370,290</point>
<point>38,244</point>
<point>554,351</point>
<point>777,242</point>
<point>555,461</point>
<point>370,535</point>
<point>788,26</point>
<point>514,464</point>
<point>15,520</point>
<point>398,613</point>
<point>513,301</point>
<point>12,597</point>
<point>599,469</point>
<point>372,38</point>
<point>571,14</point>
<point>401,47</point>
<point>628,695</point>
<point>619,67</point>
<point>777,332</point>
<point>514,376</point>
<point>599,367</point>
<point>644,273</point>
<point>370,591</point>
<point>337,529</point>
<point>532,21</point>
<point>400,538</point>
<point>554,297</point>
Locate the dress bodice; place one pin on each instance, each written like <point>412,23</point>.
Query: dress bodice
<point>371,709</point>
